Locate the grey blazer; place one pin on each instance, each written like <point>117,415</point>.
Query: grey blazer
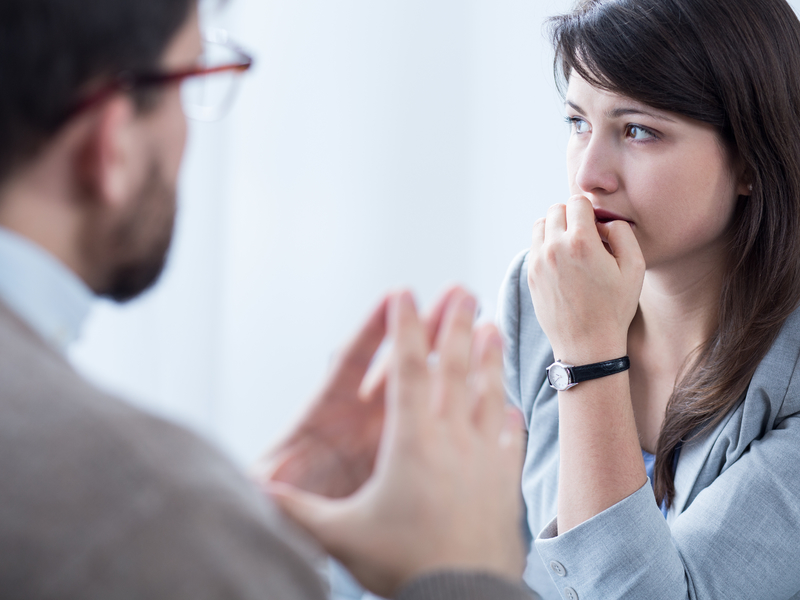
<point>99,500</point>
<point>734,528</point>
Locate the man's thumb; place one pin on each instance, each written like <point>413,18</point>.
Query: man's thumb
<point>315,514</point>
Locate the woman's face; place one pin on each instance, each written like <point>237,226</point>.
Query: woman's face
<point>666,174</point>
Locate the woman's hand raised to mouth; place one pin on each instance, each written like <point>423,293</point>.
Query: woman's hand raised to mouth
<point>585,277</point>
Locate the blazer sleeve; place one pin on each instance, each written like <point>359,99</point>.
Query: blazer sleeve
<point>740,538</point>
<point>509,323</point>
<point>738,535</point>
<point>463,585</point>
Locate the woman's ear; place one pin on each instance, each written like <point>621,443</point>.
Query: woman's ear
<point>108,160</point>
<point>744,179</point>
<point>744,188</point>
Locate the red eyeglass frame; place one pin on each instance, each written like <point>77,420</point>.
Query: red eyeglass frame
<point>127,81</point>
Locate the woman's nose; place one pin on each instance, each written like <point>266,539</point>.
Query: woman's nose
<point>596,168</point>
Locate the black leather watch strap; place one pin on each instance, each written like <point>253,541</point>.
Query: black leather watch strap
<point>601,369</point>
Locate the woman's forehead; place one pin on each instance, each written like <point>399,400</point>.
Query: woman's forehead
<point>583,97</point>
<point>580,92</point>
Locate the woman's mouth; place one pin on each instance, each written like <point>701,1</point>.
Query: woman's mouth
<point>604,216</point>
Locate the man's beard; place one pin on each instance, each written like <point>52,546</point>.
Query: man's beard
<point>137,243</point>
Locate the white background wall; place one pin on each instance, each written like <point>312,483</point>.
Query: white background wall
<point>376,144</point>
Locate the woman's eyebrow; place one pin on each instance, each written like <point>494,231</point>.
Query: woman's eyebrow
<point>621,112</point>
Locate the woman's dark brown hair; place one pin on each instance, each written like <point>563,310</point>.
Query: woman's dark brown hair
<point>734,64</point>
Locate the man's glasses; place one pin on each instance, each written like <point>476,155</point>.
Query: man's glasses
<point>207,90</point>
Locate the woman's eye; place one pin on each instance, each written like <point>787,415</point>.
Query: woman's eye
<point>578,125</point>
<point>637,132</point>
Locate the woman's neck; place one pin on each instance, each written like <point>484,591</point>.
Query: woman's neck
<point>678,308</point>
<point>678,311</point>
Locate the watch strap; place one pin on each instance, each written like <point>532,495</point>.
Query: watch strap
<point>601,369</point>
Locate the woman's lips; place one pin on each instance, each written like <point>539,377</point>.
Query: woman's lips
<point>604,216</point>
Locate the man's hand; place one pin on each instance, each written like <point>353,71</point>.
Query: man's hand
<point>445,490</point>
<point>332,450</point>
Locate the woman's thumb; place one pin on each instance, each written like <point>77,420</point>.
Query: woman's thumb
<point>623,244</point>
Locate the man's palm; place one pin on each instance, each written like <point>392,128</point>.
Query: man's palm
<point>332,451</point>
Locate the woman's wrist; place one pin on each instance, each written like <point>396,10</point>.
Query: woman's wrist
<point>579,354</point>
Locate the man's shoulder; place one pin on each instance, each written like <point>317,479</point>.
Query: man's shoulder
<point>97,494</point>
<point>48,409</point>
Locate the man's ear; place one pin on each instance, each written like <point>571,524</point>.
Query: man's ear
<point>108,163</point>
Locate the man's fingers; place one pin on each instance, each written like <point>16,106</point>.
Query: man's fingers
<point>454,345</point>
<point>313,513</point>
<point>513,433</point>
<point>407,385</point>
<point>489,410</point>
<point>435,317</point>
<point>373,388</point>
<point>355,359</point>
<point>304,508</point>
<point>374,385</point>
<point>512,440</point>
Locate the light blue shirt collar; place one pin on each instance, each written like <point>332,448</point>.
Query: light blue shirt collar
<point>49,297</point>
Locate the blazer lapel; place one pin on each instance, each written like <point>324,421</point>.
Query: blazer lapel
<point>771,380</point>
<point>693,456</point>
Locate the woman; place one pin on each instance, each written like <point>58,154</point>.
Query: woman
<point>678,254</point>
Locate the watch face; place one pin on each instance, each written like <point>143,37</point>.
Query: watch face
<point>558,376</point>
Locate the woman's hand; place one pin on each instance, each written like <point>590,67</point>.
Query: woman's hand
<point>585,279</point>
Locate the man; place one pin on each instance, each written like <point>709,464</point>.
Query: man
<point>98,500</point>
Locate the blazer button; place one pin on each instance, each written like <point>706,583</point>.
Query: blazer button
<point>558,568</point>
<point>570,594</point>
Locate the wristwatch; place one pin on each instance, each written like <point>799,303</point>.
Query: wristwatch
<point>562,377</point>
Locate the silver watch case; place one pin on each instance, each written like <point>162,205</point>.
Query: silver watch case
<point>559,376</point>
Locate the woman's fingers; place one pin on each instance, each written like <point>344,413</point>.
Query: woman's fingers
<point>556,222</point>
<point>584,297</point>
<point>581,221</point>
<point>538,232</point>
<point>623,244</point>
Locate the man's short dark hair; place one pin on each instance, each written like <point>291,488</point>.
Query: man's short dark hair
<point>52,51</point>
